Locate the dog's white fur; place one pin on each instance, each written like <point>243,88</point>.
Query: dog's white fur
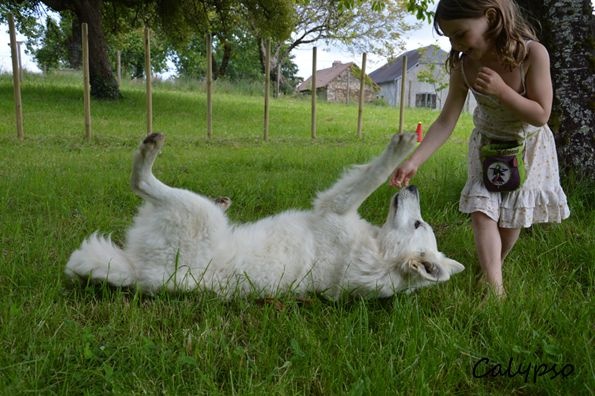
<point>182,241</point>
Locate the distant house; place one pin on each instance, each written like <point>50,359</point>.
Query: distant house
<point>340,83</point>
<point>426,80</point>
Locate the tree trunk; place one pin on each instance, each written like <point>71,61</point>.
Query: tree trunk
<point>567,32</point>
<point>103,81</point>
<point>225,58</point>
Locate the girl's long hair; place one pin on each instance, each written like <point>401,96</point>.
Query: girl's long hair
<point>507,27</point>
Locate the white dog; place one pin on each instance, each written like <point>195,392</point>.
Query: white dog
<point>182,241</point>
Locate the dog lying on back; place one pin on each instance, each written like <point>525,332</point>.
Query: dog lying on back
<point>183,241</point>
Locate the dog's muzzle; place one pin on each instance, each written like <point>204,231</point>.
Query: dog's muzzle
<point>408,190</point>
<point>412,189</point>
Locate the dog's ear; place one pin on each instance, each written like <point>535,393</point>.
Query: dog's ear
<point>452,266</point>
<point>435,269</point>
<point>422,266</point>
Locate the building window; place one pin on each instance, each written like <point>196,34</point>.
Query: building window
<point>425,100</point>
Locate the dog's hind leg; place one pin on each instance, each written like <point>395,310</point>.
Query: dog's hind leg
<point>143,182</point>
<point>350,191</point>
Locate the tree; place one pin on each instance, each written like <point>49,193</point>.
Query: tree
<point>225,21</point>
<point>356,25</point>
<point>51,52</point>
<point>102,79</point>
<point>25,14</point>
<point>228,21</point>
<point>234,59</point>
<point>58,44</point>
<point>103,83</point>
<point>567,32</point>
<point>177,19</point>
<point>132,47</point>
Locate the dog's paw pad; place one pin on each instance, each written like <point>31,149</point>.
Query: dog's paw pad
<point>154,139</point>
<point>223,202</point>
<point>403,142</point>
<point>152,143</point>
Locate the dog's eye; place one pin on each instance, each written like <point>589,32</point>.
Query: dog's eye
<point>417,224</point>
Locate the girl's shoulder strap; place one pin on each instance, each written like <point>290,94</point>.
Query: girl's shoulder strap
<point>522,68</point>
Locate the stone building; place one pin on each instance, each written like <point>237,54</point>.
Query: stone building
<point>340,84</point>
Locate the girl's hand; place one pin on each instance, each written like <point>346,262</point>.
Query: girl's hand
<point>403,174</point>
<point>489,82</point>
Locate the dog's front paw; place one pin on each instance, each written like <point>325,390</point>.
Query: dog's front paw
<point>403,143</point>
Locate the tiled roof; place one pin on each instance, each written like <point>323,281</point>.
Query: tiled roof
<point>325,76</point>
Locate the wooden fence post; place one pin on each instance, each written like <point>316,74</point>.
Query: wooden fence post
<point>313,88</point>
<point>16,80</point>
<point>267,88</point>
<point>402,104</point>
<point>148,79</point>
<point>209,86</point>
<point>19,57</point>
<point>362,88</point>
<point>86,81</point>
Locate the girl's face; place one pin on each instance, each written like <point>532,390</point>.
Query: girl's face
<point>468,36</point>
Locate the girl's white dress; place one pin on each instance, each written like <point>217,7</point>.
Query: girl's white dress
<point>541,198</point>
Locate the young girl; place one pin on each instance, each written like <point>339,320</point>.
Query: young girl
<point>496,56</point>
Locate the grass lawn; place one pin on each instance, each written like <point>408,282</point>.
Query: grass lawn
<point>56,188</point>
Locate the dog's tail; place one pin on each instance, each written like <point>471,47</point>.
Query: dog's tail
<point>98,259</point>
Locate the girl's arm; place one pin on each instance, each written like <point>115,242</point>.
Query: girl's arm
<point>535,107</point>
<point>438,132</point>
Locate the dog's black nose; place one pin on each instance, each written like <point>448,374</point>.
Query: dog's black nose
<point>413,189</point>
